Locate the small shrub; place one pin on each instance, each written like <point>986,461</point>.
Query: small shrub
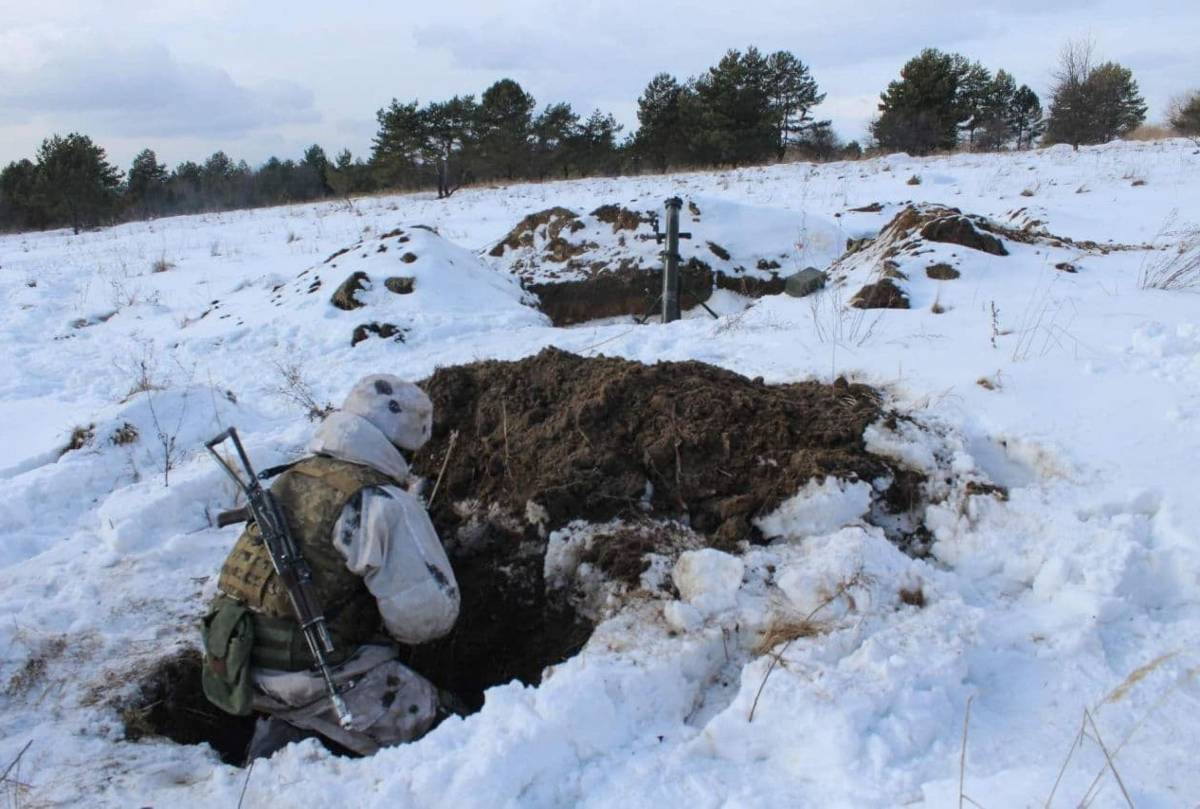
<point>913,180</point>
<point>162,265</point>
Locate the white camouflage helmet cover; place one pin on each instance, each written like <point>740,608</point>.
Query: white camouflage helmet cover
<point>398,408</point>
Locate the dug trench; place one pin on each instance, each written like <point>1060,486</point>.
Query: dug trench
<point>530,446</point>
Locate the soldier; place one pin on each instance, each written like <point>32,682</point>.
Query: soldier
<point>379,572</point>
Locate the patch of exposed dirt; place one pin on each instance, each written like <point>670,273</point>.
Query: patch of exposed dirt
<point>344,297</point>
<point>626,291</point>
<point>554,219</point>
<point>718,251</point>
<point>400,284</point>
<point>620,218</point>
<point>751,286</point>
<point>883,294</point>
<point>962,230</point>
<point>388,331</point>
<point>588,438</point>
<point>171,704</point>
<point>942,272</point>
<point>558,437</point>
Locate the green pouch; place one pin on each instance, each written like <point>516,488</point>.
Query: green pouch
<point>228,633</point>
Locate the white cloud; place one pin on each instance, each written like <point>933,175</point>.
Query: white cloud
<point>137,90</point>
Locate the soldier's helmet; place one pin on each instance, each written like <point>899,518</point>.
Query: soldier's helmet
<point>398,408</point>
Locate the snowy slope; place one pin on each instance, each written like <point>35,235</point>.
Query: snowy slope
<point>1078,392</point>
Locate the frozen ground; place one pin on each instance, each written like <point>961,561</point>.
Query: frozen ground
<point>1075,602</point>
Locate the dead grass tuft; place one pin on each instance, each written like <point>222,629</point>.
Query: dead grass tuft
<point>80,437</point>
<point>785,630</point>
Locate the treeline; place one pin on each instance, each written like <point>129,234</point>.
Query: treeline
<point>944,101</point>
<point>749,108</point>
<point>71,183</point>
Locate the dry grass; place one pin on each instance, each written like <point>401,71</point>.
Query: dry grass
<point>162,265</point>
<point>1152,132</point>
<point>1177,268</point>
<point>785,629</point>
<point>80,437</point>
<point>124,435</point>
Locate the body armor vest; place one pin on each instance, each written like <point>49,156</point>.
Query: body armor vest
<point>312,495</point>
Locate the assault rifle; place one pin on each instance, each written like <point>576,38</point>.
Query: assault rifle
<point>289,564</point>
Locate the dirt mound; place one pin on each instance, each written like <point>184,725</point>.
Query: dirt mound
<point>961,230</point>
<point>554,219</point>
<point>345,296</point>
<point>941,271</point>
<point>938,223</point>
<point>594,438</point>
<point>557,437</point>
<point>608,263</point>
<point>620,218</point>
<point>883,294</point>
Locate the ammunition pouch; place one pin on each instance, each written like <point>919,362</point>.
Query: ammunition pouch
<point>228,633</point>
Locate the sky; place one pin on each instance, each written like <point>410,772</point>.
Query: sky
<point>265,78</point>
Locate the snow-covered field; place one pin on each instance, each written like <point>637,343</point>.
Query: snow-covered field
<point>1074,603</point>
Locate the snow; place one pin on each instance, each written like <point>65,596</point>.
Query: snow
<point>1078,591</point>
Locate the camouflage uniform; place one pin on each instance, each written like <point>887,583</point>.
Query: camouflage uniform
<point>379,572</point>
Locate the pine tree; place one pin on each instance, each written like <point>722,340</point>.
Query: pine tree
<point>554,131</point>
<point>1184,115</point>
<point>20,205</point>
<point>316,164</point>
<point>399,143</point>
<point>973,90</point>
<point>595,143</point>
<point>793,93</point>
<point>76,180</point>
<point>995,112</point>
<point>659,137</point>
<point>1117,106</point>
<point>449,130</point>
<point>146,187</point>
<point>922,111</point>
<point>504,124</point>
<point>1092,103</point>
<point>734,120</point>
<point>1025,119</point>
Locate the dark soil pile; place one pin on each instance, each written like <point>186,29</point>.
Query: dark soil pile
<point>345,296</point>
<point>962,230</point>
<point>620,218</point>
<point>598,438</point>
<point>557,219</point>
<point>882,294</point>
<point>586,438</point>
<point>937,223</point>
